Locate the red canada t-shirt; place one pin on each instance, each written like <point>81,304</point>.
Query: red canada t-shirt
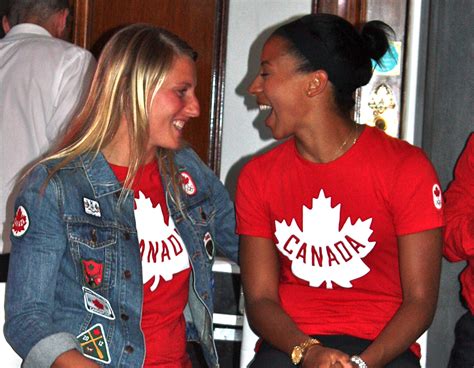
<point>166,270</point>
<point>335,227</point>
<point>459,233</point>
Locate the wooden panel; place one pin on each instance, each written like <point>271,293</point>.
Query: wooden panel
<point>352,10</point>
<point>203,27</point>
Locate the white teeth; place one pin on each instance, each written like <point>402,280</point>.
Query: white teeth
<point>178,124</point>
<point>264,107</point>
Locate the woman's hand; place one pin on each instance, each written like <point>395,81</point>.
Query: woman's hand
<point>318,356</point>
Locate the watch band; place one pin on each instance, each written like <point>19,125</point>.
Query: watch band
<point>359,361</point>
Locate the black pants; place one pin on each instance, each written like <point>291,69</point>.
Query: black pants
<point>270,357</point>
<point>462,355</point>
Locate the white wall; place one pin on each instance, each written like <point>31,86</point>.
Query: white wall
<point>243,131</point>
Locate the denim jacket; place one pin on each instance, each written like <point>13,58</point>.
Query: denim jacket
<point>76,218</point>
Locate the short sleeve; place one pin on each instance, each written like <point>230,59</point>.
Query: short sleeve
<point>416,197</point>
<point>251,208</point>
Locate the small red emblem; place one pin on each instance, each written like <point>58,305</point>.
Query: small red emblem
<point>98,304</point>
<point>93,272</point>
<point>21,222</point>
<point>188,184</point>
<point>437,196</point>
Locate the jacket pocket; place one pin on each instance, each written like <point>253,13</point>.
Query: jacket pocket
<point>93,247</point>
<point>94,236</point>
<point>199,210</point>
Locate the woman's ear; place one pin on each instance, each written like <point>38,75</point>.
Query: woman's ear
<point>317,82</point>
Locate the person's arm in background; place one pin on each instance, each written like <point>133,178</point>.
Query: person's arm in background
<point>459,209</point>
<point>70,89</point>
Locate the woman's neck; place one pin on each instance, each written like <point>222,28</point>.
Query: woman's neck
<point>326,138</point>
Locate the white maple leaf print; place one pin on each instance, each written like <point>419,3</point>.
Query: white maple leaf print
<point>320,251</point>
<point>163,251</point>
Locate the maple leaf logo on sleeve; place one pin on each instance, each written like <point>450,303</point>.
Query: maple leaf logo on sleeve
<point>320,252</point>
<point>21,222</point>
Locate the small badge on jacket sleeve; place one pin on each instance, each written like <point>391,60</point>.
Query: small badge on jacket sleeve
<point>188,184</point>
<point>94,344</point>
<point>91,207</point>
<point>21,222</point>
<point>97,304</point>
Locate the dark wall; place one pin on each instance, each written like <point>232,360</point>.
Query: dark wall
<point>448,120</point>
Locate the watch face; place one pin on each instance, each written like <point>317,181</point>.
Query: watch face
<point>296,355</point>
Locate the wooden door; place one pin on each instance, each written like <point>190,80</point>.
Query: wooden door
<point>202,24</point>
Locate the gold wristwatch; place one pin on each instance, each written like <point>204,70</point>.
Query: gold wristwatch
<point>298,351</point>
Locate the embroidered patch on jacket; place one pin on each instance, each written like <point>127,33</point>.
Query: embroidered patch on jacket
<point>209,245</point>
<point>93,272</point>
<point>94,344</point>
<point>188,184</point>
<point>91,207</point>
<point>437,197</point>
<point>21,222</point>
<point>97,304</point>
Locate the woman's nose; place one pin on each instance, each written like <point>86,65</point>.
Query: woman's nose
<point>255,86</point>
<point>193,107</point>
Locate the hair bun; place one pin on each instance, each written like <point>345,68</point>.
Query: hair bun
<point>375,35</point>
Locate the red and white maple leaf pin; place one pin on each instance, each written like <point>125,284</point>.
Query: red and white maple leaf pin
<point>437,197</point>
<point>21,222</point>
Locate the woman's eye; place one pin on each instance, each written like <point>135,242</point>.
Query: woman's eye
<point>181,92</point>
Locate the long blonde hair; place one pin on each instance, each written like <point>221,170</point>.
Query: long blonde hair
<point>130,70</point>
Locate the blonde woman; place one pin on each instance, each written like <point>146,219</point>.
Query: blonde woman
<point>115,232</point>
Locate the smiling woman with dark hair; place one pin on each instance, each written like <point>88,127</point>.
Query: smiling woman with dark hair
<point>340,224</point>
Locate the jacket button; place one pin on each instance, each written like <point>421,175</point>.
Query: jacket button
<point>124,316</point>
<point>129,349</point>
<point>126,235</point>
<point>205,295</point>
<point>127,274</point>
<point>93,235</point>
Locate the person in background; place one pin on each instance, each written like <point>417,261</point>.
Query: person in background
<point>459,246</point>
<point>340,224</point>
<point>43,81</point>
<point>115,231</point>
